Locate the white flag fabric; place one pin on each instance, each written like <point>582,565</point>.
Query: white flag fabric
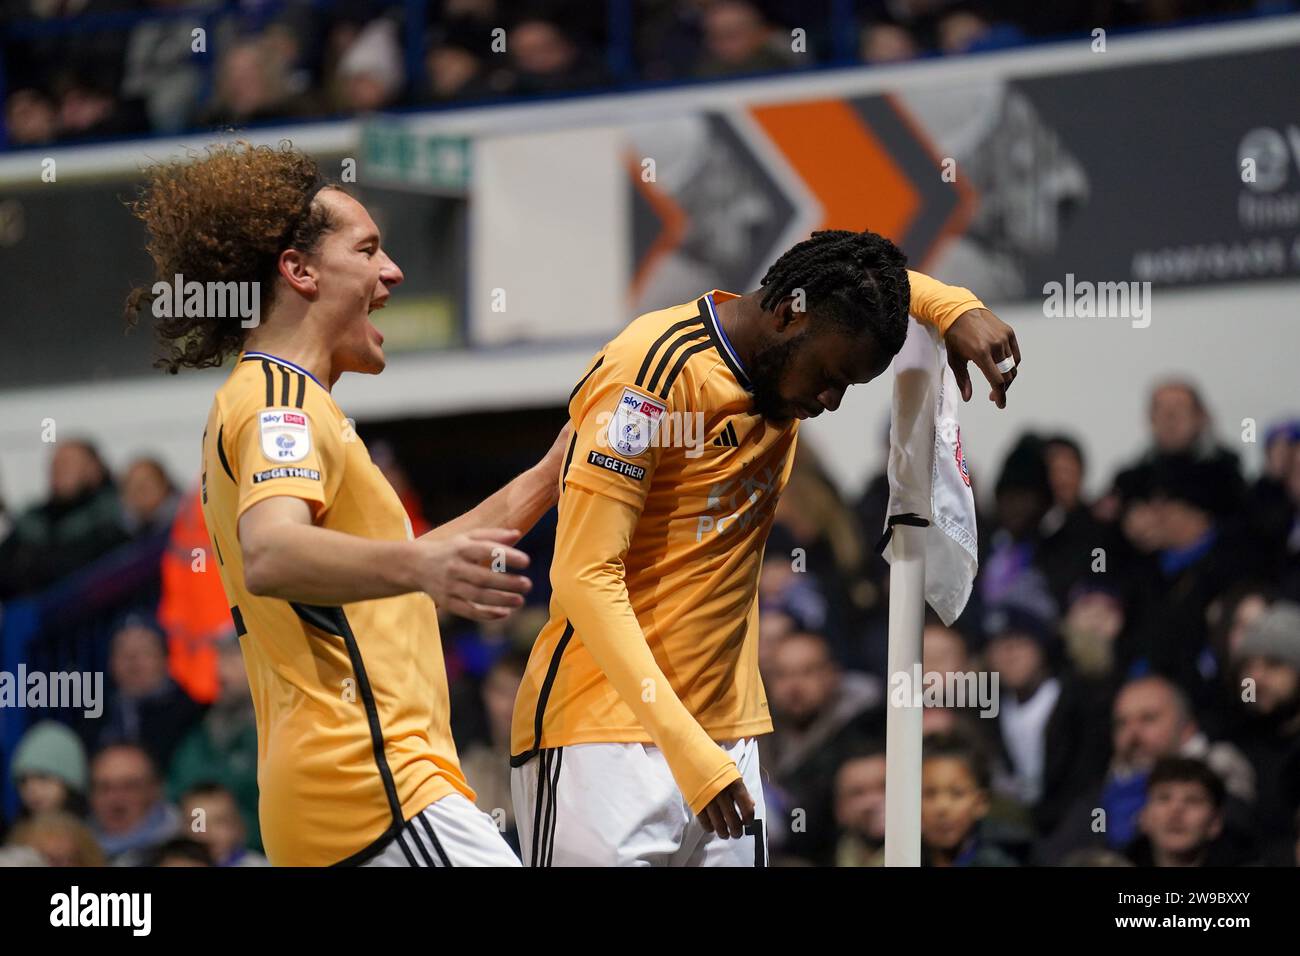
<point>928,480</point>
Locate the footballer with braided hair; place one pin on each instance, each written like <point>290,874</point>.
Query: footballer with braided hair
<point>331,595</point>
<point>634,736</point>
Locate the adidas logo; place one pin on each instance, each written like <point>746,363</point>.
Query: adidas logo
<point>727,437</point>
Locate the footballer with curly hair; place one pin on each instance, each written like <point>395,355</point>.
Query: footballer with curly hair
<point>332,596</point>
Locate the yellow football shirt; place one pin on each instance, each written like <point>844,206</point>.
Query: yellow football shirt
<point>353,732</point>
<point>668,492</point>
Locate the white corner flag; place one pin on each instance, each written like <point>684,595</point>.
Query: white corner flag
<point>930,544</point>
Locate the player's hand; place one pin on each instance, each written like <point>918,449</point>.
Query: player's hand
<point>728,812</point>
<point>981,337</point>
<point>469,573</point>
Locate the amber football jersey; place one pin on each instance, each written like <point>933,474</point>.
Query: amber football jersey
<point>352,705</point>
<point>663,423</point>
<point>670,468</point>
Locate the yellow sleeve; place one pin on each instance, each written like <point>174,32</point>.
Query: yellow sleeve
<point>937,304</point>
<point>594,533</point>
<point>277,451</point>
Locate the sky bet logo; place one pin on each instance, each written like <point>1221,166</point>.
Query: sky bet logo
<point>638,404</point>
<point>289,418</point>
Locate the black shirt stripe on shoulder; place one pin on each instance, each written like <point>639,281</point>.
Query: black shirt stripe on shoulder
<point>302,390</point>
<point>221,454</point>
<point>284,386</point>
<point>577,388</point>
<point>270,383</point>
<point>677,343</point>
<point>681,363</point>
<point>568,459</point>
<point>671,331</point>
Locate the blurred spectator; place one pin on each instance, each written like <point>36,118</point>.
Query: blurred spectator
<point>668,37</point>
<point>214,820</point>
<point>1272,518</point>
<point>822,543</point>
<point>179,852</point>
<point>146,706</point>
<point>786,587</point>
<point>162,68</point>
<point>1070,535</point>
<point>820,712</point>
<point>253,85</point>
<point>970,27</point>
<point>1094,857</point>
<point>80,521</point>
<point>961,30</point>
<point>1094,619</point>
<point>860,808</point>
<point>738,40</point>
<point>369,75</point>
<point>1180,425</point>
<point>1268,668</point>
<point>459,64</point>
<point>1197,556</point>
<point>60,838</point>
<point>129,816</point>
<point>1152,719</point>
<point>31,118</point>
<point>89,108</point>
<point>954,802</point>
<point>885,41</point>
<point>487,763</point>
<point>149,499</point>
<point>193,609</point>
<point>547,59</point>
<point>1182,817</point>
<point>222,749</point>
<point>386,460</point>
<point>49,770</point>
<point>20,856</point>
<point>1022,497</point>
<point>1045,712</point>
<point>1289,539</point>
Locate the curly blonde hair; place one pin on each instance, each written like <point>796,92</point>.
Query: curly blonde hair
<point>224,217</point>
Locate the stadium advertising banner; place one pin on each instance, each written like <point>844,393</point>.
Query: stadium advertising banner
<point>1000,183</point>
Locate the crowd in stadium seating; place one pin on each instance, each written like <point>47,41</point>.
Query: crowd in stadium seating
<point>278,60</point>
<point>1146,644</point>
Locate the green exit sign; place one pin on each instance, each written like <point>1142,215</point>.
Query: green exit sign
<point>396,157</point>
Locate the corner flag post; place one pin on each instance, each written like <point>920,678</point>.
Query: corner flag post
<point>903,723</point>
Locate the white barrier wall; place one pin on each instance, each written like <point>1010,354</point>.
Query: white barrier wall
<point>1089,377</point>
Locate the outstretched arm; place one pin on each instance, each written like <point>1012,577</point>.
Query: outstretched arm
<point>970,331</point>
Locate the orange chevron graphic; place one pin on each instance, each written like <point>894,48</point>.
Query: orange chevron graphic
<point>967,199</point>
<point>672,216</point>
<point>856,181</point>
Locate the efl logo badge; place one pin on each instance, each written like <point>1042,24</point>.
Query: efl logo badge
<point>635,423</point>
<point>285,435</point>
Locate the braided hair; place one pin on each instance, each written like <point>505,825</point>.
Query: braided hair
<point>858,280</point>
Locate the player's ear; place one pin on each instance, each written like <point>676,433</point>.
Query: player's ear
<point>788,317</point>
<point>294,269</point>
